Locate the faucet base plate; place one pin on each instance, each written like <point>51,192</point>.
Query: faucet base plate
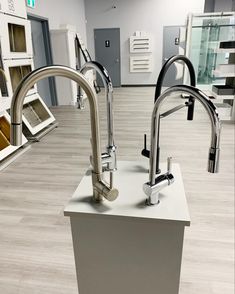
<point>148,203</point>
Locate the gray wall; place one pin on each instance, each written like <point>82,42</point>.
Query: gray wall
<point>209,6</point>
<point>223,5</point>
<point>219,5</point>
<point>133,15</point>
<point>62,12</point>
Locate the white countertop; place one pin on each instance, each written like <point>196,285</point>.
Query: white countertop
<point>129,179</point>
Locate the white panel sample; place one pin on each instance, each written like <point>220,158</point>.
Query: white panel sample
<point>225,70</point>
<point>36,115</point>
<point>13,7</point>
<point>5,147</point>
<point>15,70</point>
<point>15,36</point>
<point>224,110</point>
<point>141,63</point>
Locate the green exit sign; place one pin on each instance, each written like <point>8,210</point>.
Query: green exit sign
<point>31,3</point>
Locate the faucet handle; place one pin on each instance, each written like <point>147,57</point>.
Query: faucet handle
<point>145,152</point>
<point>169,165</point>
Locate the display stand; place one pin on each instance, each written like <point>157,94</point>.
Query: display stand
<point>125,246</point>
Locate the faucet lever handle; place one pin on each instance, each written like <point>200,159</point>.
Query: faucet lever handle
<point>145,152</point>
<point>169,165</point>
<point>145,141</point>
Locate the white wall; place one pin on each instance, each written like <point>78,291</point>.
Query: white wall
<point>133,15</point>
<point>62,12</point>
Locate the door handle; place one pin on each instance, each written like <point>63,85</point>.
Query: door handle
<point>117,60</point>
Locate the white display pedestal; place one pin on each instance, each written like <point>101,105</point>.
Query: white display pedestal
<point>124,246</point>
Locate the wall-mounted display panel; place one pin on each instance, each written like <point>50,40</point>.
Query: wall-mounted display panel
<point>36,115</point>
<point>16,40</point>
<point>140,63</point>
<point>5,147</point>
<point>13,7</point>
<point>140,44</point>
<point>14,71</point>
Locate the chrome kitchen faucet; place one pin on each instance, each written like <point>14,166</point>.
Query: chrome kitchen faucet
<point>156,184</point>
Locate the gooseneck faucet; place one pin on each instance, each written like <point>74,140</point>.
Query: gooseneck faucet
<point>155,184</point>
<point>100,187</point>
<point>158,90</point>
<point>108,158</point>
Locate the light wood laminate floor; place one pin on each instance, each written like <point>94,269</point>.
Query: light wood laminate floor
<point>36,254</point>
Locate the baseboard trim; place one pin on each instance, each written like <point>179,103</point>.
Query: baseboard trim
<point>138,85</point>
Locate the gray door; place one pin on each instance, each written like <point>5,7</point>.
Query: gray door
<point>171,43</point>
<point>107,52</point>
<point>40,59</point>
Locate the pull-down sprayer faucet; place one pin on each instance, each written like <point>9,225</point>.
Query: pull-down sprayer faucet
<point>109,161</point>
<point>155,184</point>
<point>158,90</point>
<point>100,187</point>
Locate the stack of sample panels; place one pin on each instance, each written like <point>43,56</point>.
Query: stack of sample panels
<point>16,61</point>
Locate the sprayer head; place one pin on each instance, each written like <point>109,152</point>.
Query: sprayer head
<point>213,160</point>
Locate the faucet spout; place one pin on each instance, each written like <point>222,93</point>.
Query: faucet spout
<point>100,187</point>
<point>108,158</point>
<point>213,161</point>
